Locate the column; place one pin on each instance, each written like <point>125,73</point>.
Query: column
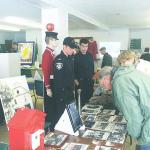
<point>59,18</point>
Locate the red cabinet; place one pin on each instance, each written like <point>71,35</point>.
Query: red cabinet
<point>26,130</point>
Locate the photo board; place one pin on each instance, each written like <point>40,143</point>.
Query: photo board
<point>14,94</point>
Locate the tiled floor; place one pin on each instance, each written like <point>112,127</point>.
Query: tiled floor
<point>4,131</point>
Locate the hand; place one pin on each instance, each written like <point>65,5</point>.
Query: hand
<point>49,92</point>
<point>76,82</point>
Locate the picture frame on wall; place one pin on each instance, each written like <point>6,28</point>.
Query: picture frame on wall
<point>26,50</point>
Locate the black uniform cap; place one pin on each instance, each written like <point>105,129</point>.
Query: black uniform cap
<point>51,34</point>
<point>69,41</point>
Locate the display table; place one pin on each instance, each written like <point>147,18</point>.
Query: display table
<point>104,127</point>
<point>92,144</point>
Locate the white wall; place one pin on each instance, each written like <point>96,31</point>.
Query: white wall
<point>114,35</point>
<point>9,65</point>
<point>143,34</point>
<point>59,18</point>
<point>35,35</point>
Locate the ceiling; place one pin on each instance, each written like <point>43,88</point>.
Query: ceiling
<point>102,14</point>
<point>115,13</point>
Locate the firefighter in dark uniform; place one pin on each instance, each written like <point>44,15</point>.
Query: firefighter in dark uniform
<point>64,76</point>
<point>84,71</point>
<point>47,69</point>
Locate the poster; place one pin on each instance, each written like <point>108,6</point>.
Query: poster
<point>14,94</point>
<point>26,50</point>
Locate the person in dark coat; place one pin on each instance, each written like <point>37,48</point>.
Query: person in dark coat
<point>84,71</point>
<point>64,77</point>
<point>107,58</point>
<point>47,69</point>
<point>146,54</point>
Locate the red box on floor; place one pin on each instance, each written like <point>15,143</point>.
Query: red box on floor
<point>26,130</point>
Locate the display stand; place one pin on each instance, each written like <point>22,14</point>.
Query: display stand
<point>70,122</point>
<point>64,125</point>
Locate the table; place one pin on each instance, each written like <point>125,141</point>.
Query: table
<point>88,141</point>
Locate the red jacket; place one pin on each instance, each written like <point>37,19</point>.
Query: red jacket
<point>92,48</point>
<point>47,65</point>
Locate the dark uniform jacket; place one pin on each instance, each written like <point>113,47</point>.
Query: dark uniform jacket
<point>84,70</point>
<point>84,66</point>
<point>107,60</point>
<point>64,78</point>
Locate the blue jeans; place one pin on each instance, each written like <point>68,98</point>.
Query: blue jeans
<point>142,147</point>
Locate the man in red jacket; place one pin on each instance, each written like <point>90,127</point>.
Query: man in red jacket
<point>47,69</point>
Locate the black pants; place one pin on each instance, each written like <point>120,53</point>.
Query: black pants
<point>62,98</point>
<point>2,119</point>
<point>86,86</point>
<point>50,109</point>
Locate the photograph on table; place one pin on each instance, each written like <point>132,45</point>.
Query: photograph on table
<point>119,119</point>
<point>74,146</point>
<point>119,127</point>
<point>96,135</point>
<point>104,118</point>
<point>90,111</point>
<point>89,124</point>
<point>108,112</point>
<point>55,139</point>
<point>106,148</point>
<point>115,138</point>
<point>90,118</point>
<point>14,94</point>
<point>104,126</point>
<point>90,106</point>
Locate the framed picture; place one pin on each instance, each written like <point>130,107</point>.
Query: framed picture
<point>26,50</point>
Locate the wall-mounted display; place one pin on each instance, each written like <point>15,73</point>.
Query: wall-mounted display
<point>26,50</point>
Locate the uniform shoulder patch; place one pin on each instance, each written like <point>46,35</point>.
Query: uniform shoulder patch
<point>59,66</point>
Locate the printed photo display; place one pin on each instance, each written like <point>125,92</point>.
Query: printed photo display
<point>75,146</point>
<point>54,139</point>
<point>106,148</point>
<point>97,135</point>
<point>14,94</point>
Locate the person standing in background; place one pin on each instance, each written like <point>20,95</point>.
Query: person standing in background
<point>84,71</point>
<point>107,58</point>
<point>92,47</point>
<point>64,77</point>
<point>47,69</point>
<point>146,54</point>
